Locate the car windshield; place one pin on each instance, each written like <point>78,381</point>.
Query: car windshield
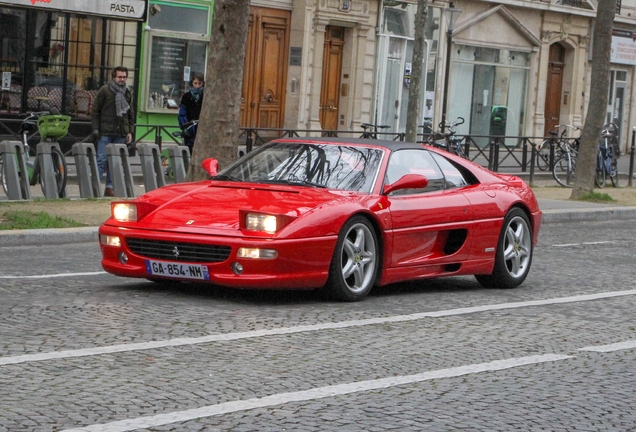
<point>333,166</point>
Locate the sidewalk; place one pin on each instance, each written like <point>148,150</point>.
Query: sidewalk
<point>554,210</point>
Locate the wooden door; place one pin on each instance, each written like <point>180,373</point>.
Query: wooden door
<point>331,73</point>
<point>265,74</point>
<point>554,86</point>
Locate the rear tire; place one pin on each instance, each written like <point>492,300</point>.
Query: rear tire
<point>355,262</point>
<point>514,253</point>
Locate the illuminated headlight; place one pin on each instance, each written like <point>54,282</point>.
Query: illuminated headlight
<point>110,240</point>
<point>256,253</point>
<point>261,222</point>
<point>125,212</point>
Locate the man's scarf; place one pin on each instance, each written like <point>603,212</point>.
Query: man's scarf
<point>121,105</point>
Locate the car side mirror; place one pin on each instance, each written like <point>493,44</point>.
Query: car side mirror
<point>407,181</point>
<point>211,165</point>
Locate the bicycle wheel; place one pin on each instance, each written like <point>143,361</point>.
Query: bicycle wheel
<point>543,156</point>
<point>563,170</point>
<point>60,170</point>
<point>3,179</point>
<point>614,175</point>
<point>599,173</point>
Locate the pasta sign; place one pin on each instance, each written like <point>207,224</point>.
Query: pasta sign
<point>122,9</point>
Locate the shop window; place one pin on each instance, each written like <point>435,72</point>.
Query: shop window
<point>178,40</point>
<point>63,60</point>
<point>488,89</point>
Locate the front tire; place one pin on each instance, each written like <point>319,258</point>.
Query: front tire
<point>514,253</point>
<point>354,266</point>
<point>599,174</point>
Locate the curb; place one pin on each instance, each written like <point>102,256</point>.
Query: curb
<point>588,214</point>
<point>45,237</point>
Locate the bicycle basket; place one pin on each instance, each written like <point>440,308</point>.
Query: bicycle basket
<point>53,126</point>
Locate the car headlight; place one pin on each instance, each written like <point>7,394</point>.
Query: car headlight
<point>130,211</point>
<point>261,222</point>
<point>124,212</point>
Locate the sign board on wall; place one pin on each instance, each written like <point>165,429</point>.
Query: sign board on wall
<point>623,47</point>
<point>121,9</point>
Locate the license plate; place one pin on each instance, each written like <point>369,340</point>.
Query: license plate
<point>177,270</point>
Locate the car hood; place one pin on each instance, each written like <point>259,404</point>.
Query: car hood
<point>214,208</point>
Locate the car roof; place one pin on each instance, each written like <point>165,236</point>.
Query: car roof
<point>389,144</point>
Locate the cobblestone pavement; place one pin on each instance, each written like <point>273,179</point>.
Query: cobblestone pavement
<point>87,350</point>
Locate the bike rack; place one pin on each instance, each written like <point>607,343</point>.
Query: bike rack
<point>120,172</point>
<point>180,160</point>
<point>151,168</point>
<point>13,163</point>
<point>47,172</point>
<point>87,172</point>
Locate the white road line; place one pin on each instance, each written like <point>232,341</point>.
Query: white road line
<point>316,393</point>
<point>52,275</point>
<point>585,243</point>
<point>300,329</point>
<point>611,347</point>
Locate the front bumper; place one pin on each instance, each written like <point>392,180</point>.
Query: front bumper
<point>300,263</point>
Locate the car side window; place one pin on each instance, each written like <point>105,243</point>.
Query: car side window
<point>453,178</point>
<point>414,161</point>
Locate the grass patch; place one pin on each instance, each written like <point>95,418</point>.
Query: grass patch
<point>597,197</point>
<point>19,219</point>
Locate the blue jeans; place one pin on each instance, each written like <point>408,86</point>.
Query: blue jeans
<point>102,159</point>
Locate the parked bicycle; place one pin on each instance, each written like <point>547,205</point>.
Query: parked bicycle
<point>558,138</point>
<point>447,138</point>
<point>607,157</point>
<point>51,128</point>
<point>371,130</point>
<point>565,162</point>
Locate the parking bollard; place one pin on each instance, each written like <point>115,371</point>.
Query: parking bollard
<point>13,163</point>
<point>87,171</point>
<point>151,168</point>
<point>120,172</point>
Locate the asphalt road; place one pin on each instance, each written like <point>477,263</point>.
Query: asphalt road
<point>83,349</point>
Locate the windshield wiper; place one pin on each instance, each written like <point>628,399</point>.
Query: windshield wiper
<point>226,177</point>
<point>294,183</point>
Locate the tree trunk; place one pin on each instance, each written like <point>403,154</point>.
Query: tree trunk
<point>599,84</point>
<point>413,110</point>
<point>219,123</point>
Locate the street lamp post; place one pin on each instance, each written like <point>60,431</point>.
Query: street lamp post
<point>451,14</point>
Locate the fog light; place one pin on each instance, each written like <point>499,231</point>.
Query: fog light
<point>237,268</point>
<point>110,240</point>
<point>123,258</point>
<point>256,253</point>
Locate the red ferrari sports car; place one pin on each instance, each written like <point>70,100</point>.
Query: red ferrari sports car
<point>339,214</point>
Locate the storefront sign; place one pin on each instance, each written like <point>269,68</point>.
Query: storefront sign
<point>623,47</point>
<point>122,9</point>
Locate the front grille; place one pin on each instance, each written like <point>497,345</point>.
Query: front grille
<point>178,251</point>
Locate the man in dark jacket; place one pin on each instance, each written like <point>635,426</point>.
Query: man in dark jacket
<point>112,119</point>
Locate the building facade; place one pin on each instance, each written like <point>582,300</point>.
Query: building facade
<point>516,67</point>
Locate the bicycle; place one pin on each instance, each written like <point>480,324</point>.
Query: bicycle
<point>565,162</point>
<point>606,161</point>
<point>448,140</point>
<point>52,128</point>
<point>373,133</point>
<point>543,149</point>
